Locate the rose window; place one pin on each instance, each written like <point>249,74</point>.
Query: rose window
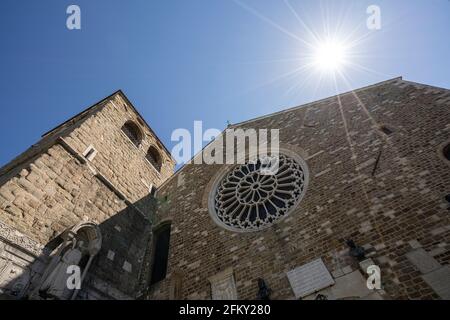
<point>247,199</point>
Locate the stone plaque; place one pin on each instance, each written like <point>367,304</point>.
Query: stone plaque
<point>439,281</point>
<point>309,278</point>
<point>223,286</point>
<point>422,260</point>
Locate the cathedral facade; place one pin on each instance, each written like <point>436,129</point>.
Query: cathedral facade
<point>358,208</point>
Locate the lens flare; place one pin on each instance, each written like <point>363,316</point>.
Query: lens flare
<point>329,56</point>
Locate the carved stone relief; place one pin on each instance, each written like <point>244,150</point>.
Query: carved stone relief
<point>17,267</point>
<point>223,286</point>
<point>12,235</point>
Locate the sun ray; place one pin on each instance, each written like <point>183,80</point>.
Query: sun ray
<point>283,76</point>
<point>360,67</point>
<point>272,23</point>
<point>303,24</point>
<point>298,59</point>
<point>326,54</point>
<point>299,84</point>
<point>388,142</point>
<point>349,140</point>
<point>319,82</point>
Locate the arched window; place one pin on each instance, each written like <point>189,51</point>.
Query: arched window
<point>154,158</point>
<point>133,132</point>
<point>161,238</point>
<point>446,152</point>
<point>247,199</point>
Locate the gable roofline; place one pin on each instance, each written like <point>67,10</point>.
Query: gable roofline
<point>146,124</point>
<point>100,104</point>
<point>81,113</point>
<point>273,114</point>
<point>315,102</point>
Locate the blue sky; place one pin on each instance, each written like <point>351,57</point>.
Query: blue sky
<point>209,60</point>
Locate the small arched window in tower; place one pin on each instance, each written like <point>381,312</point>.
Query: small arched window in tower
<point>161,237</point>
<point>446,152</point>
<point>154,158</point>
<point>133,132</point>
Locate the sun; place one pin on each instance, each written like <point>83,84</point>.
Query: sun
<point>329,56</point>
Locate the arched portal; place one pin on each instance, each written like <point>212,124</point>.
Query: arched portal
<point>72,258</point>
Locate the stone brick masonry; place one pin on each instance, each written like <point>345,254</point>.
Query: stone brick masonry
<point>390,210</point>
<point>377,175</point>
<point>52,187</point>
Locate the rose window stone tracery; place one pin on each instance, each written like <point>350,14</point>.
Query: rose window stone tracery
<point>246,199</point>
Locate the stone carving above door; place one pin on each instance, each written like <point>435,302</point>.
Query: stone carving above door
<point>14,236</point>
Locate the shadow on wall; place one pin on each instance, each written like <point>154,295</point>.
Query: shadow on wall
<point>114,259</point>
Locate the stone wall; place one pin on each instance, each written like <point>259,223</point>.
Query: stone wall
<point>391,207</point>
<point>52,187</point>
<point>118,158</point>
<point>384,191</point>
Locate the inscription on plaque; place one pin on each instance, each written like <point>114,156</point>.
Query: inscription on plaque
<point>309,278</point>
